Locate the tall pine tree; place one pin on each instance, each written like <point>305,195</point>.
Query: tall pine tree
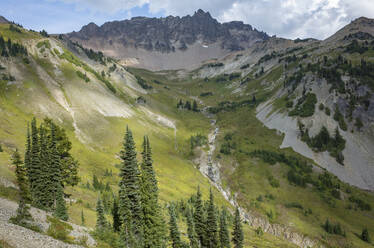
<point>175,235</point>
<point>152,218</point>
<point>23,213</point>
<point>61,210</point>
<point>34,169</point>
<point>192,236</point>
<point>211,224</point>
<point>224,237</point>
<point>130,181</point>
<point>199,218</point>
<point>101,222</point>
<point>115,215</point>
<point>237,234</point>
<point>126,230</point>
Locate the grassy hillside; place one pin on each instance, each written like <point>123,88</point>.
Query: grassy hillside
<point>47,84</point>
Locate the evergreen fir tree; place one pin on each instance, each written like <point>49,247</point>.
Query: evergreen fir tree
<point>365,235</point>
<point>43,181</point>
<point>83,220</point>
<point>23,213</point>
<point>127,233</point>
<point>130,180</point>
<point>194,106</point>
<point>27,161</point>
<point>199,218</point>
<point>211,224</point>
<point>152,219</point>
<point>174,231</point>
<point>61,210</point>
<point>34,170</point>
<point>224,237</point>
<point>192,236</point>
<point>115,215</point>
<point>54,169</point>
<point>101,222</point>
<point>237,234</point>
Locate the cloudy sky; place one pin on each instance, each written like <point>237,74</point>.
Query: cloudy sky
<point>284,18</point>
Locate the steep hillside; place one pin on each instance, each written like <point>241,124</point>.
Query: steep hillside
<point>158,43</point>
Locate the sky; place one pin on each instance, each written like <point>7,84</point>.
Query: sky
<point>284,18</point>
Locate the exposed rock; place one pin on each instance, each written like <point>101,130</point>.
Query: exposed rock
<point>3,20</point>
<point>167,35</point>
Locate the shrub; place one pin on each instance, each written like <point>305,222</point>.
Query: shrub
<point>305,106</point>
<point>294,205</point>
<point>59,230</point>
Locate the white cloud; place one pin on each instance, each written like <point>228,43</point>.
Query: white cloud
<point>285,18</point>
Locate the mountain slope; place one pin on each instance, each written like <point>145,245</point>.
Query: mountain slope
<point>157,43</point>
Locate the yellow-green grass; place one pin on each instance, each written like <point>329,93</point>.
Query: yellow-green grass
<point>250,180</point>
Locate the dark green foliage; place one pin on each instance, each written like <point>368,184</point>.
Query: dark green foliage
<point>192,236</point>
<point>211,224</point>
<point>97,184</point>
<point>340,119</point>
<point>187,105</point>
<point>173,228</point>
<point>44,33</point>
<point>361,204</point>
<point>218,64</point>
<point>333,228</point>
<point>199,219</point>
<point>227,77</point>
<point>230,106</point>
<point>91,54</point>
<point>23,214</point>
<point>224,237</point>
<point>59,230</point>
<point>116,216</point>
<point>237,233</point>
<point>228,144</point>
<point>143,83</point>
<point>101,222</point>
<point>60,211</point>
<point>294,205</point>
<point>305,106</point>
<point>83,220</point>
<point>195,108</point>
<point>327,111</point>
<point>365,235</point>
<point>10,49</point>
<point>127,234</point>
<point>153,228</point>
<point>356,47</point>
<point>198,140</point>
<point>130,186</point>
<point>83,76</point>
<point>299,172</point>
<point>1,148</point>
<point>204,94</point>
<point>324,142</point>
<point>244,67</point>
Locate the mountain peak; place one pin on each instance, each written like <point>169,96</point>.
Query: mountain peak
<point>202,13</point>
<point>3,20</point>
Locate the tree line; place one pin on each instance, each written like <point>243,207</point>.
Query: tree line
<point>46,169</point>
<point>139,218</point>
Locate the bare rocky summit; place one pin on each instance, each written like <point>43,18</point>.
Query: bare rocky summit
<point>199,35</point>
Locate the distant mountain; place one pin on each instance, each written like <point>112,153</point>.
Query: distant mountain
<point>198,37</point>
<point>3,20</point>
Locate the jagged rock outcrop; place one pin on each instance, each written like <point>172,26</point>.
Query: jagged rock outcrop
<point>140,36</point>
<point>3,20</point>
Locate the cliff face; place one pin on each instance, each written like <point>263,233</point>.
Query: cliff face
<point>138,37</point>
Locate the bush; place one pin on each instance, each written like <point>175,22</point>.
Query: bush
<point>273,182</point>
<point>59,230</point>
<point>294,205</point>
<point>305,106</point>
<point>83,76</point>
<point>340,119</point>
<point>333,228</point>
<point>327,111</point>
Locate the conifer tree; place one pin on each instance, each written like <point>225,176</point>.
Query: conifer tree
<point>43,181</point>
<point>83,220</point>
<point>61,210</point>
<point>23,213</point>
<point>199,218</point>
<point>34,169</point>
<point>174,231</point>
<point>27,161</point>
<point>194,106</point>
<point>115,215</point>
<point>211,224</point>
<point>101,222</point>
<point>152,219</point>
<point>54,169</point>
<point>130,181</point>
<point>126,233</point>
<point>237,234</point>
<point>192,236</point>
<point>224,237</point>
<point>365,235</point>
